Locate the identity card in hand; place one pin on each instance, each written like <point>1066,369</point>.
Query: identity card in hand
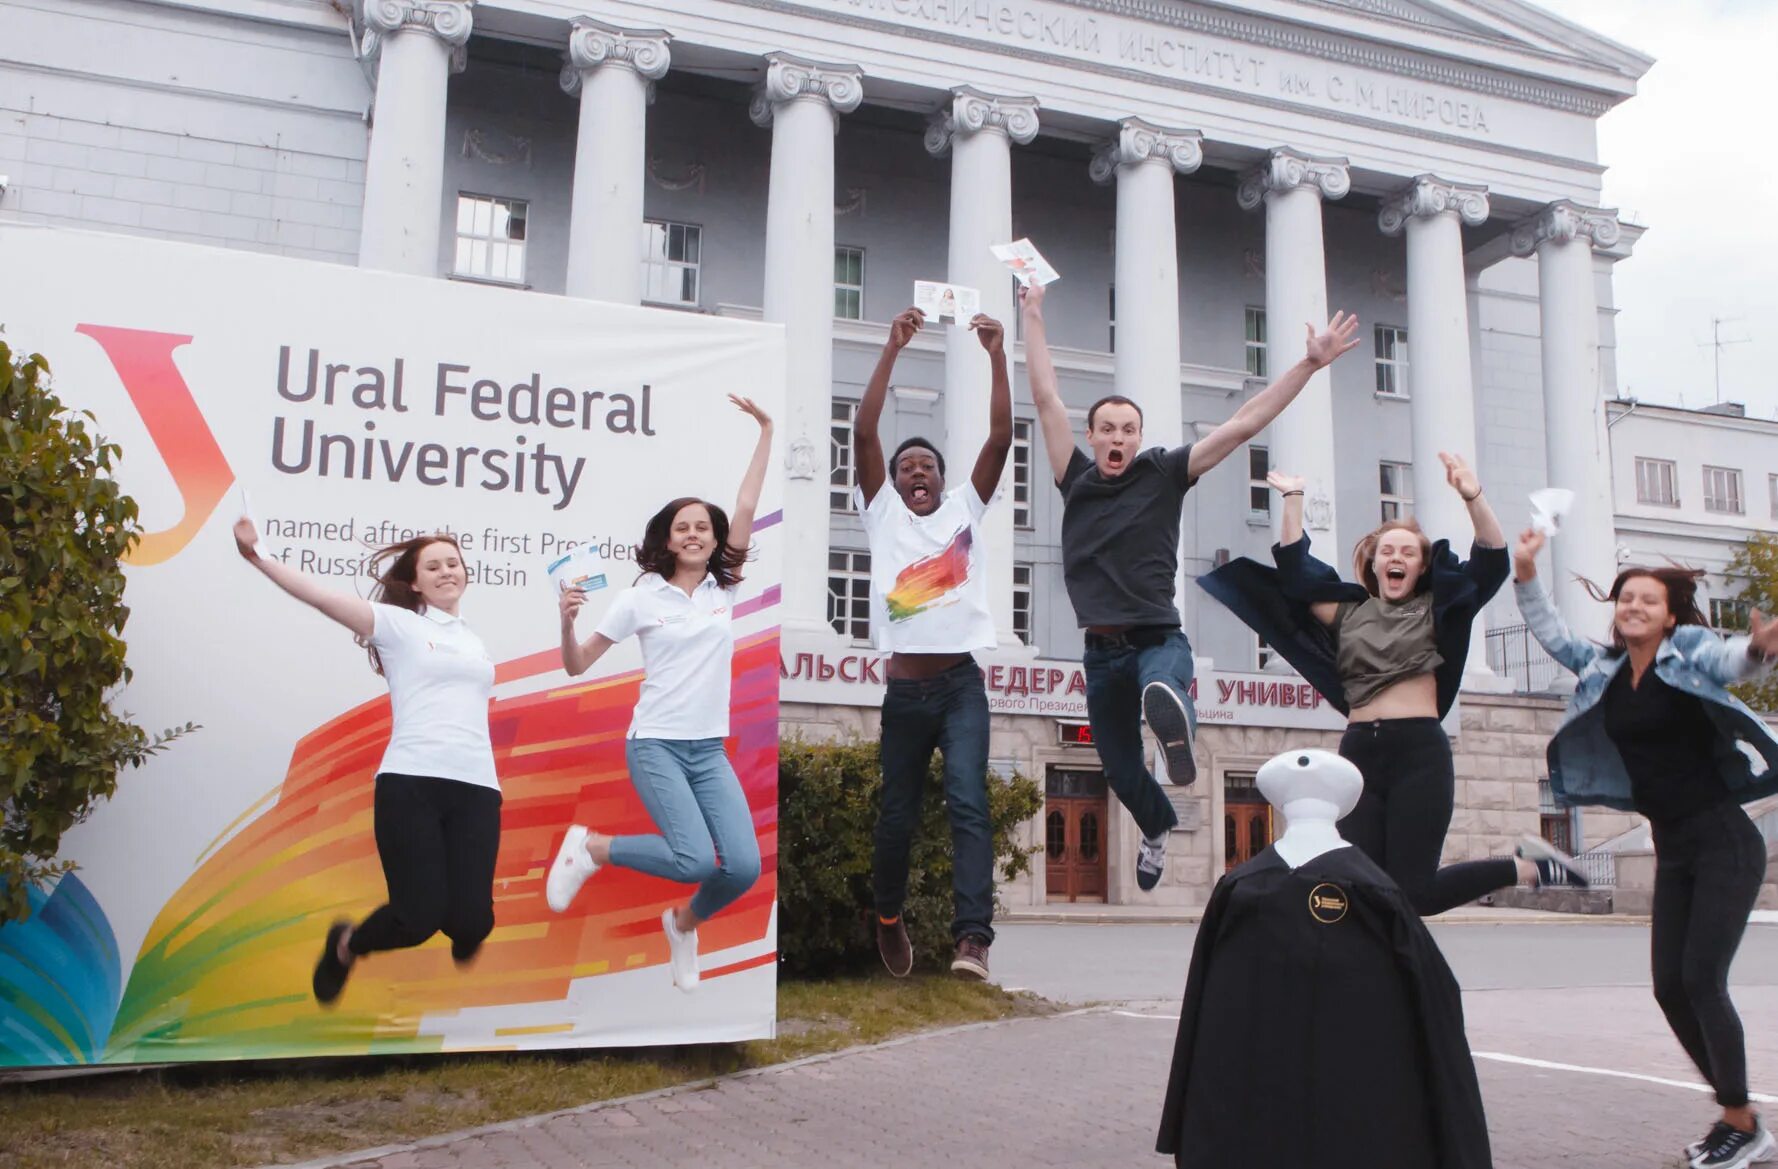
<point>580,569</point>
<point>941,301</point>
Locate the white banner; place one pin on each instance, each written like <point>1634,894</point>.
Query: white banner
<point>358,409</point>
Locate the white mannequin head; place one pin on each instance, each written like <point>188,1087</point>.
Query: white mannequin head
<point>1313,789</point>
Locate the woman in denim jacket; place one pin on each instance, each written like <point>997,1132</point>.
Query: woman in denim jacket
<point>1651,729</point>
<point>1389,654</point>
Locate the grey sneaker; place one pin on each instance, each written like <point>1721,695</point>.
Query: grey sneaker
<point>972,958</point>
<point>1165,712</point>
<point>1151,860</point>
<point>1550,861</point>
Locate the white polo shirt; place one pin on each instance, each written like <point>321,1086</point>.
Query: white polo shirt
<point>928,573</point>
<point>688,643</point>
<point>440,682</point>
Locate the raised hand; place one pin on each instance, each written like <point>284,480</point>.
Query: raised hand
<point>1531,542</point>
<point>246,539</point>
<point>747,406</point>
<point>990,331</point>
<point>1282,482</point>
<point>1460,475</point>
<point>1031,299</point>
<point>904,326</point>
<point>1340,336</point>
<point>572,600</point>
<point>1764,636</point>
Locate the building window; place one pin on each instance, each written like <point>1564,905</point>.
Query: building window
<point>1259,493</point>
<point>1256,341</point>
<point>1654,482</point>
<point>848,594</point>
<point>1263,654</point>
<point>1397,483</point>
<point>1021,602</point>
<point>1392,360</point>
<point>1021,472</point>
<point>841,475</point>
<point>848,284</point>
<point>670,261</point>
<point>1731,614</point>
<point>1722,490</point>
<point>491,238</point>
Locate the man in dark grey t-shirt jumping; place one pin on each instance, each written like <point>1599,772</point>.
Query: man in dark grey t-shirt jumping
<point>1120,553</point>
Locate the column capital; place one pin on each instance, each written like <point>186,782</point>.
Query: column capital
<point>971,112</point>
<point>593,43</point>
<point>1565,220</point>
<point>1139,141</point>
<point>1286,170</point>
<point>1428,196</point>
<point>448,20</point>
<point>788,78</point>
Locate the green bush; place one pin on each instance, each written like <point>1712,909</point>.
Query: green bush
<point>828,795</point>
<point>64,526</point>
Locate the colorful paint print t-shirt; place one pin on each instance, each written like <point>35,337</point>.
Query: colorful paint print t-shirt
<point>928,574</point>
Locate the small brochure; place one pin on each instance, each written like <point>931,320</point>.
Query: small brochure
<point>942,301</point>
<point>580,569</point>
<point>1548,506</point>
<point>1026,262</point>
<point>247,514</point>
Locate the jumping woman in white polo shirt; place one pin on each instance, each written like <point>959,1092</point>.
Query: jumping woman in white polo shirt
<point>682,610</point>
<point>437,800</point>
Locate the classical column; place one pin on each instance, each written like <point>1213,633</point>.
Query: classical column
<point>1576,447</point>
<point>1442,412</point>
<point>416,44</point>
<point>612,71</point>
<point>1143,159</point>
<point>1292,185</point>
<point>801,101</point>
<point>978,130</point>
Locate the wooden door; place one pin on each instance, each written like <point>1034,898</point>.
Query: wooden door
<point>1246,832</point>
<point>1074,819</point>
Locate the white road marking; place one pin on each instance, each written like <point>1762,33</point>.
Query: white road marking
<point>1526,1061</point>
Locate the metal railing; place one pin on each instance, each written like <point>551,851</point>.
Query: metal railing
<point>1600,868</point>
<point>1514,653</point>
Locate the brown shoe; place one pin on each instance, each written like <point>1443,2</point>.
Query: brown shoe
<point>972,958</point>
<point>893,945</point>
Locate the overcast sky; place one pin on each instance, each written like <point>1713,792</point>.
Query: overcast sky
<point>1686,161</point>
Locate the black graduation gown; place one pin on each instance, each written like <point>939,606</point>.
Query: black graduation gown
<point>1321,1029</point>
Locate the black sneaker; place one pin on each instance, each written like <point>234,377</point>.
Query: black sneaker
<point>1151,860</point>
<point>893,945</point>
<point>972,958</point>
<point>1553,865</point>
<point>1165,712</point>
<point>1731,1148</point>
<point>1696,1149</point>
<point>330,972</point>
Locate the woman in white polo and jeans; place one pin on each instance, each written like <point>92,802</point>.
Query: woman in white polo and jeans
<point>437,803</point>
<point>682,610</point>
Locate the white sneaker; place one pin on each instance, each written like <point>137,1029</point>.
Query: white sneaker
<point>569,872</point>
<point>682,948</point>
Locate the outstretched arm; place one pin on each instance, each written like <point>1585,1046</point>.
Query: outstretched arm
<point>578,656</point>
<point>1464,482</point>
<point>1290,530</point>
<point>1256,414</point>
<point>992,460</point>
<point>1040,371</point>
<point>351,611</point>
<point>1539,611</point>
<point>867,445</point>
<point>740,524</point>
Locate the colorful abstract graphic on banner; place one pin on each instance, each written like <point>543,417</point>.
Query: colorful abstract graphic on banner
<point>358,409</point>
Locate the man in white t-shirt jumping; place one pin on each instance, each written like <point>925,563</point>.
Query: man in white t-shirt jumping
<point>929,611</point>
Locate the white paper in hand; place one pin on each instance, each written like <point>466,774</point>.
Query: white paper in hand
<point>247,514</point>
<point>1548,506</point>
<point>1026,262</point>
<point>940,301</point>
<point>580,569</point>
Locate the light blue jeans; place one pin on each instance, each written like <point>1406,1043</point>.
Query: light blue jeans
<point>694,798</point>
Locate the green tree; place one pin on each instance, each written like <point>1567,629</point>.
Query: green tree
<point>64,527</point>
<point>1755,565</point>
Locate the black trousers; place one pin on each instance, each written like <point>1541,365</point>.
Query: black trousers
<point>1401,819</point>
<point>438,840</point>
<point>1708,869</point>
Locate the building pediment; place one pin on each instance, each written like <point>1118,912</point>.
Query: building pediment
<point>1506,23</point>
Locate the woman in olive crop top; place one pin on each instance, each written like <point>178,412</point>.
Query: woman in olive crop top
<point>1398,645</point>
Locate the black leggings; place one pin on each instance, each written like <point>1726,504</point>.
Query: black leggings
<point>438,840</point>
<point>1708,869</point>
<point>1401,818</point>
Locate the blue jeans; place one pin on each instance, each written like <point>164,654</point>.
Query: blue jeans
<point>1118,668</point>
<point>950,712</point>
<point>694,798</point>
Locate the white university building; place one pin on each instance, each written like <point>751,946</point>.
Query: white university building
<point>1206,176</point>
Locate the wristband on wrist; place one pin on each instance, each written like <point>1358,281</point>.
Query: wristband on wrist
<point>1288,494</point>
<point>1471,498</point>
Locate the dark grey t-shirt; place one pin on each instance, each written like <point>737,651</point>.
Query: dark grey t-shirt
<point>1120,537</point>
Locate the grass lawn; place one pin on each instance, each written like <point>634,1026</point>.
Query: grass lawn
<point>209,1117</point>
